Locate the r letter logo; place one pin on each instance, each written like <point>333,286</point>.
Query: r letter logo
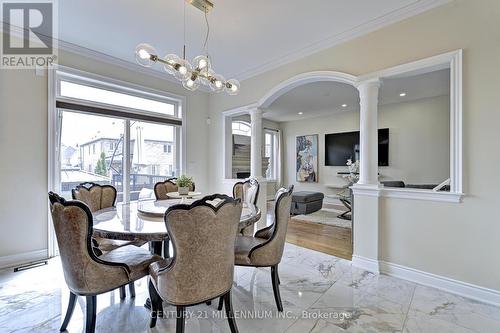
<point>29,34</point>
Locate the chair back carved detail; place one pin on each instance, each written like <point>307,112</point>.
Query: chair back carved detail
<point>95,196</point>
<point>203,236</point>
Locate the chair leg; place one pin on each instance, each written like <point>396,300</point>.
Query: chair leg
<point>91,314</point>
<point>230,313</point>
<point>69,311</point>
<point>179,325</point>
<point>276,288</point>
<point>123,293</point>
<point>208,303</point>
<point>131,288</point>
<point>156,304</point>
<point>221,303</point>
<point>277,275</point>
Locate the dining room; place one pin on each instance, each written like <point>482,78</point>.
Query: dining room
<point>164,166</point>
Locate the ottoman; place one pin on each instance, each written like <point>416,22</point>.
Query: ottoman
<point>306,202</point>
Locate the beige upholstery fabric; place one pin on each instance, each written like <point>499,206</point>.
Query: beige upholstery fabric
<point>98,197</point>
<point>267,249</point>
<point>243,246</point>
<point>95,196</point>
<point>169,185</point>
<point>247,191</point>
<point>86,274</point>
<point>137,259</point>
<point>203,240</point>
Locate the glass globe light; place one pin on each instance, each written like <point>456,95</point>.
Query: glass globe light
<point>183,70</point>
<point>217,83</point>
<point>202,63</point>
<point>191,83</point>
<point>208,74</point>
<point>143,53</point>
<point>172,60</point>
<point>232,87</point>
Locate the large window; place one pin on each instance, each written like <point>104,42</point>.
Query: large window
<point>101,125</point>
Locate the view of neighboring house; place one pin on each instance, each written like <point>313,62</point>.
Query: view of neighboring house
<point>100,161</point>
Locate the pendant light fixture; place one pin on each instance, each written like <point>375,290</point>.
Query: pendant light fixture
<point>191,75</point>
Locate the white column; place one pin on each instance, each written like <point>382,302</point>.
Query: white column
<point>256,164</point>
<point>368,137</point>
<point>256,145</point>
<point>366,205</point>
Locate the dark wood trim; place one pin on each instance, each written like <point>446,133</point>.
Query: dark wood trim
<point>276,287</point>
<point>69,311</point>
<point>285,193</point>
<point>91,313</point>
<point>116,113</point>
<point>55,199</point>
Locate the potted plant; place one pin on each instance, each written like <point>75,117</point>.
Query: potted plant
<point>184,183</point>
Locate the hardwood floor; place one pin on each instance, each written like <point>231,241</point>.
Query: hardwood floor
<point>319,237</point>
<point>324,238</point>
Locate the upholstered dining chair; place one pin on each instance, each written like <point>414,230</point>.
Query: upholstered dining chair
<point>265,249</point>
<point>87,274</point>
<point>162,188</point>
<point>247,191</point>
<point>98,197</point>
<point>203,236</point>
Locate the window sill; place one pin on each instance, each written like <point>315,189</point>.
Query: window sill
<point>407,193</point>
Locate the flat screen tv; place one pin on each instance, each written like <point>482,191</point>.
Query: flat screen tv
<point>339,147</point>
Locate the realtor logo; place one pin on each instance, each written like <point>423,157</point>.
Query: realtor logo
<point>29,34</point>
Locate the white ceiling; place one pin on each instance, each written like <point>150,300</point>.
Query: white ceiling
<point>247,37</point>
<point>326,98</point>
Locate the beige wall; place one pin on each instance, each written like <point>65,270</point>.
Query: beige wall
<point>421,126</point>
<point>23,147</point>
<point>459,241</point>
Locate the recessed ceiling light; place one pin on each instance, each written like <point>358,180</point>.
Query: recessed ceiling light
<point>344,105</point>
<point>403,94</point>
<point>300,112</point>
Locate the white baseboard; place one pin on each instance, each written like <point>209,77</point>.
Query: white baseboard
<point>367,264</point>
<point>482,294</point>
<point>22,258</point>
<point>465,289</point>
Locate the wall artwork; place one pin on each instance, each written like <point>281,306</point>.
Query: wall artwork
<point>307,158</point>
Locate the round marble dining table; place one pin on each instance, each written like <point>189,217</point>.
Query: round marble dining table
<point>143,220</point>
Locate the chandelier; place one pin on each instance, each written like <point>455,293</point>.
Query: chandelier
<point>191,75</point>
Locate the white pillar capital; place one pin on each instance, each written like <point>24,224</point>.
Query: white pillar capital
<point>367,84</point>
<point>257,112</point>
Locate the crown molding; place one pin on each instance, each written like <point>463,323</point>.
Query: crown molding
<point>104,58</point>
<point>360,30</point>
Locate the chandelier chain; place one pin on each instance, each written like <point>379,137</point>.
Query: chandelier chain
<point>184,32</point>
<point>205,45</point>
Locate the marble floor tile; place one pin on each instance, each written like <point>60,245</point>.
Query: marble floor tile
<point>439,306</point>
<point>320,293</point>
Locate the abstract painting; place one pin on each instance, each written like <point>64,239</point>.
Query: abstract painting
<point>307,158</point>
